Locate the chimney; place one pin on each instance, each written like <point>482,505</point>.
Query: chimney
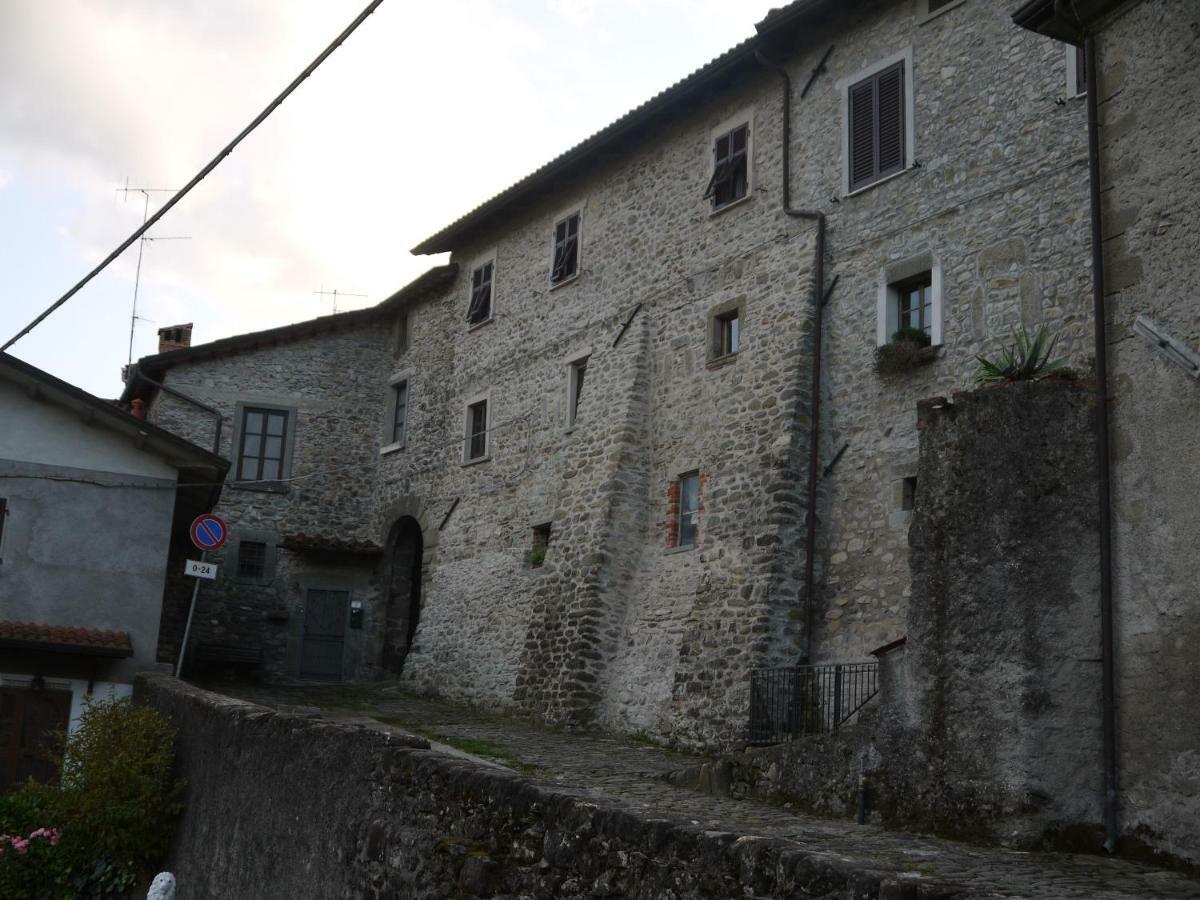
<point>174,337</point>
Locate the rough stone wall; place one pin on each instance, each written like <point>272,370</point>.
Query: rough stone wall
<point>400,820</point>
<point>1001,727</point>
<point>999,203</point>
<point>337,386</point>
<point>1150,142</point>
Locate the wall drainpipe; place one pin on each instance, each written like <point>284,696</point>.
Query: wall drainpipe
<point>818,293</point>
<point>1104,475</point>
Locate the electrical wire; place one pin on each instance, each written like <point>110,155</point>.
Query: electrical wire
<point>203,173</point>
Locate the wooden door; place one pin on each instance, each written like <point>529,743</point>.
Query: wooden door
<point>29,720</point>
<point>324,635</point>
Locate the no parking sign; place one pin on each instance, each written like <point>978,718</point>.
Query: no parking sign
<point>209,532</point>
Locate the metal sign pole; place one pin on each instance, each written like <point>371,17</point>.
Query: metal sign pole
<point>187,628</point>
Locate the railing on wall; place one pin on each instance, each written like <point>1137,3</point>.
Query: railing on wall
<point>786,702</point>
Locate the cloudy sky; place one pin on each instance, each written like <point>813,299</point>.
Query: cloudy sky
<point>429,109</point>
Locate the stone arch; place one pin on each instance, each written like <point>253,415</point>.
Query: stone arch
<point>409,546</point>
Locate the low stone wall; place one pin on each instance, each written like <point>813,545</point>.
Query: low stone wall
<point>284,806</point>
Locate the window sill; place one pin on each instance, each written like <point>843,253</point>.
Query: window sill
<point>477,325</point>
<point>555,285</point>
<point>930,16</point>
<point>728,206</point>
<point>719,362</point>
<point>479,459</point>
<point>875,184</point>
<point>686,548</point>
<point>387,449</point>
<point>273,487</point>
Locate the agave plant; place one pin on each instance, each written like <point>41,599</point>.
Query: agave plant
<point>1027,358</point>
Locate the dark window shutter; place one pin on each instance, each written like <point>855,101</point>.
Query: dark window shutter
<point>890,104</point>
<point>862,133</point>
<point>877,127</point>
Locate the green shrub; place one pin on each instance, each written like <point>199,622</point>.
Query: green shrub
<point>1026,358</point>
<point>536,556</point>
<point>917,336</point>
<point>116,796</point>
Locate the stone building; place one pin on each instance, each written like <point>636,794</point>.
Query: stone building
<point>571,472</point>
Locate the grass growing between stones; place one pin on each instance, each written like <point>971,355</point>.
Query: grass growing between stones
<point>474,746</point>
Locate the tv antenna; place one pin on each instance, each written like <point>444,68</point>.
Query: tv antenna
<point>137,278</point>
<point>335,293</point>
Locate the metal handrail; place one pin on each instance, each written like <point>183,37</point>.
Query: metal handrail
<point>793,700</point>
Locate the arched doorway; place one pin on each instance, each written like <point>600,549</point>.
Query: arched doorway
<point>402,581</point>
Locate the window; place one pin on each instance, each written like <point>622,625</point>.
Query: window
<point>262,445</point>
<point>540,544</point>
<point>252,559</point>
<point>3,516</point>
<point>566,250</point>
<point>726,333</point>
<point>399,412</point>
<point>929,9</point>
<point>878,111</point>
<point>689,509</point>
<point>477,432</point>
<point>910,296</point>
<point>575,375</point>
<point>480,309</point>
<point>1076,72</point>
<point>914,298</point>
<point>730,179</point>
<point>908,494</point>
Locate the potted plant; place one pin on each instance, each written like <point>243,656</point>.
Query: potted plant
<point>908,349</point>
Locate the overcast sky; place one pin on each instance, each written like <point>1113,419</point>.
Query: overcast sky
<point>428,110</point>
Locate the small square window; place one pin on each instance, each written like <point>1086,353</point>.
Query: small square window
<point>566,250</point>
<point>539,545</point>
<point>252,559</point>
<point>480,309</point>
<point>726,333</point>
<point>477,431</point>
<point>399,412</point>
<point>730,179</point>
<point>575,374</point>
<point>689,509</point>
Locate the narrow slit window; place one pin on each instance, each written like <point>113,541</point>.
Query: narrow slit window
<point>1080,71</point>
<point>566,250</point>
<point>539,545</point>
<point>3,517</point>
<point>252,559</point>
<point>480,309</point>
<point>260,456</point>
<point>399,411</point>
<point>727,334</point>
<point>576,375</point>
<point>730,179</point>
<point>908,494</point>
<point>477,434</point>
<point>689,509</point>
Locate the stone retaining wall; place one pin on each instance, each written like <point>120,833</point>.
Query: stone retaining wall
<point>283,806</point>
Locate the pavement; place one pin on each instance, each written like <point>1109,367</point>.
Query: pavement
<point>632,775</point>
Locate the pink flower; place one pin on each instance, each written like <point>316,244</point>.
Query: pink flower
<point>20,845</point>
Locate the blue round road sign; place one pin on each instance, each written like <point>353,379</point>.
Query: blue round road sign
<point>208,532</point>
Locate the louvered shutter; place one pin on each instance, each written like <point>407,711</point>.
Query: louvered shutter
<point>877,127</point>
<point>890,119</point>
<point>862,133</point>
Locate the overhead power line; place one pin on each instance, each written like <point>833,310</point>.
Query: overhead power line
<point>203,173</point>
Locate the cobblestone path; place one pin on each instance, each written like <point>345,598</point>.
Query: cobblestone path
<point>631,775</point>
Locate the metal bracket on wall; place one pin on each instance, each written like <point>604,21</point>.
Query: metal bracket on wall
<point>833,462</point>
<point>817,71</point>
<point>625,327</point>
<point>449,513</point>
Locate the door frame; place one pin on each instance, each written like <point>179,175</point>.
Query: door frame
<point>305,590</point>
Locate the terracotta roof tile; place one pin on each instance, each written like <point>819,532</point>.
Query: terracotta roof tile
<point>65,639</point>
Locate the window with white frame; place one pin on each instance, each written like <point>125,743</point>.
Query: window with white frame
<point>475,442</point>
<point>928,9</point>
<point>565,265</point>
<point>877,107</point>
<point>575,377</point>
<point>399,412</point>
<point>910,297</point>
<point>730,179</point>
<point>480,308</point>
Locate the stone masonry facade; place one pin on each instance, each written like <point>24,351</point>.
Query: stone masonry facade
<point>618,627</point>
